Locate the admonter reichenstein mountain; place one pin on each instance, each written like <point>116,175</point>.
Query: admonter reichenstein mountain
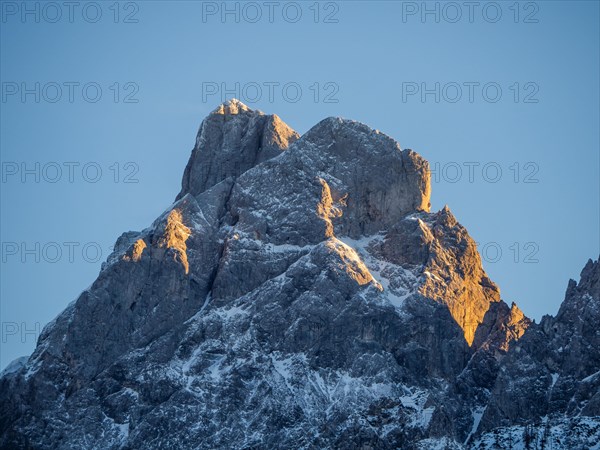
<point>300,294</point>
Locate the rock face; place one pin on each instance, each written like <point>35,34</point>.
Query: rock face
<point>450,263</point>
<point>231,140</point>
<point>299,293</point>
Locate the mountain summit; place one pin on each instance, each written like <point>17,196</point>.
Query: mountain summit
<point>231,140</point>
<point>300,293</point>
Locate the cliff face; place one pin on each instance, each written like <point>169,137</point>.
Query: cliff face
<point>452,273</point>
<point>300,293</point>
<point>231,140</point>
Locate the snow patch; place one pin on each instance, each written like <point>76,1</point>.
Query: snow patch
<point>397,282</point>
<point>477,414</point>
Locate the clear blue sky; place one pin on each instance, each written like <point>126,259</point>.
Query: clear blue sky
<point>375,56</point>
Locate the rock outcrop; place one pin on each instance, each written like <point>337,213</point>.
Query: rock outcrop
<point>231,140</point>
<point>553,370</point>
<point>299,293</point>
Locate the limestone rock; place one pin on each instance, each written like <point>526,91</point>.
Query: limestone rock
<point>300,293</point>
<point>231,140</point>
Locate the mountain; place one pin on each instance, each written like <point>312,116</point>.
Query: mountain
<point>300,293</point>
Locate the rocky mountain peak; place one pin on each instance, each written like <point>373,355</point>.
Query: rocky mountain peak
<point>581,304</point>
<point>299,292</point>
<point>231,140</point>
<point>233,106</point>
<point>590,279</point>
<point>377,182</point>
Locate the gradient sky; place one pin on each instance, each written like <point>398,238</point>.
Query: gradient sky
<point>373,58</point>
